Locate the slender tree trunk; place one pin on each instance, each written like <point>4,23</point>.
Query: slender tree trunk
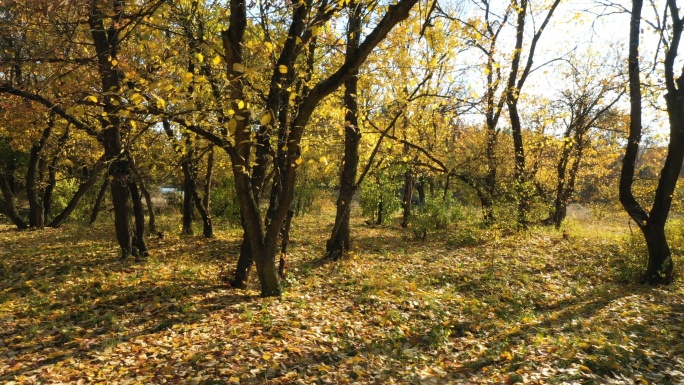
<point>206,200</point>
<point>49,188</point>
<point>148,198</point>
<point>139,247</point>
<point>339,241</point>
<point>409,181</point>
<point>489,190</point>
<point>52,174</point>
<point>36,209</point>
<point>189,187</point>
<point>207,228</point>
<point>652,223</point>
<point>80,193</point>
<point>99,199</point>
<point>244,264</point>
<point>10,209</point>
<point>284,243</point>
<point>152,218</point>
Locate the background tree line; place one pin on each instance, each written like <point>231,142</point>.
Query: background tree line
<point>252,109</point>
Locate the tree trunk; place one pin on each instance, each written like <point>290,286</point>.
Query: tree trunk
<point>207,228</point>
<point>152,218</point>
<point>189,187</point>
<point>76,199</point>
<point>148,198</point>
<point>52,174</point>
<point>10,209</point>
<point>409,181</point>
<point>107,44</point>
<point>119,173</point>
<point>139,247</point>
<point>36,209</point>
<point>244,264</point>
<point>284,243</point>
<point>99,199</point>
<point>652,223</point>
<point>339,241</point>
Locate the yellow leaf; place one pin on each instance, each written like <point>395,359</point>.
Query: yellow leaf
<point>299,161</point>
<point>268,46</point>
<point>137,98</point>
<point>200,57</point>
<point>114,62</point>
<point>314,30</point>
<point>265,120</point>
<point>91,98</point>
<point>237,67</point>
<point>282,69</point>
<point>584,369</point>
<point>187,78</point>
<point>235,379</point>
<point>240,104</point>
<point>161,104</point>
<point>216,60</point>
<point>266,356</point>
<point>232,125</point>
<point>323,160</point>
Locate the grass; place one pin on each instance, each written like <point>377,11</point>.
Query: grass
<point>468,305</point>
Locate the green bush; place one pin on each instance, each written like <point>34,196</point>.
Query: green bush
<point>224,202</point>
<point>380,198</point>
<point>437,213</point>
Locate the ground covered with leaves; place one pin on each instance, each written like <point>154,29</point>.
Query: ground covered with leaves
<point>465,306</point>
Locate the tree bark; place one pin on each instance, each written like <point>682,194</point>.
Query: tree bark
<point>340,239</point>
<point>138,242</point>
<point>660,267</point>
<point>189,189</point>
<point>107,43</point>
<point>36,209</point>
<point>99,199</point>
<point>10,208</point>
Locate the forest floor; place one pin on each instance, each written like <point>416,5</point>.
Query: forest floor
<point>465,306</point>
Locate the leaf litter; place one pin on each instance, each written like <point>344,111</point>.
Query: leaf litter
<point>531,308</point>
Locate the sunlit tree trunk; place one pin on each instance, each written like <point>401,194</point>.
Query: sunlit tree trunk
<point>340,239</point>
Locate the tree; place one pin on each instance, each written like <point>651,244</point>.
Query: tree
<point>589,104</point>
<point>237,138</point>
<point>660,267</point>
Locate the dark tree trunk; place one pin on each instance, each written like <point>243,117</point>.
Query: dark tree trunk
<point>189,188</point>
<point>139,248</point>
<point>99,199</point>
<point>660,267</point>
<point>284,243</point>
<point>36,209</point>
<point>152,218</point>
<point>206,200</point>
<point>263,235</point>
<point>119,173</point>
<point>52,175</point>
<point>409,182</point>
<point>106,42</point>
<point>420,188</point>
<point>489,190</point>
<point>49,188</point>
<point>244,264</point>
<point>339,241</point>
<point>10,209</point>
<point>207,228</point>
